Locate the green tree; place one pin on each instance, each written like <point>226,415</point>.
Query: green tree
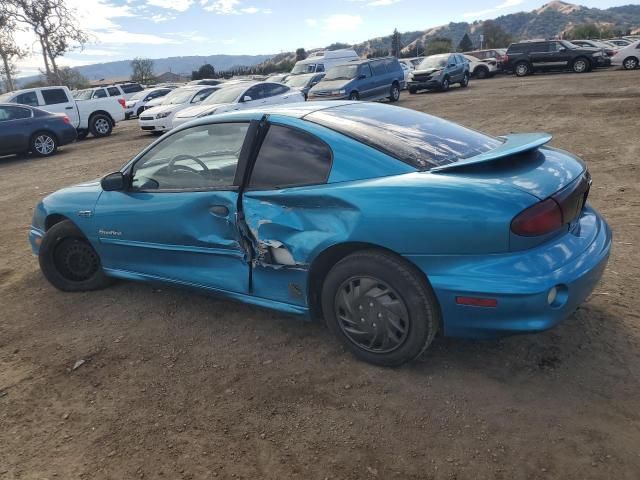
<point>9,52</point>
<point>589,30</point>
<point>338,46</point>
<point>438,45</point>
<point>301,54</point>
<point>72,78</point>
<point>205,71</point>
<point>494,36</point>
<point>378,52</point>
<point>396,43</point>
<point>142,70</point>
<point>465,44</point>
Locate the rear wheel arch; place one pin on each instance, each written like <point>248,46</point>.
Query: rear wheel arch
<point>101,112</point>
<point>325,260</point>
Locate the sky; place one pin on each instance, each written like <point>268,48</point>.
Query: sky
<point>123,29</point>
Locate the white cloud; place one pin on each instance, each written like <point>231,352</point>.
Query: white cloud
<point>312,22</point>
<point>118,36</point>
<point>230,7</point>
<point>342,22</point>
<point>161,17</point>
<point>376,3</point>
<point>178,5</point>
<point>504,5</point>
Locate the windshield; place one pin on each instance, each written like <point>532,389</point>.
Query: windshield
<point>224,95</point>
<point>298,80</point>
<point>413,137</point>
<point>435,61</point>
<point>83,94</point>
<point>178,96</point>
<point>139,95</point>
<point>304,68</point>
<point>342,72</point>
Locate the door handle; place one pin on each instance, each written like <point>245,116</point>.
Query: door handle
<point>219,210</point>
<point>68,108</point>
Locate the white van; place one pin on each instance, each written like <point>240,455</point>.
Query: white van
<point>322,61</point>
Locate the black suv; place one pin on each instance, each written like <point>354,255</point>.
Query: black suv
<point>528,57</point>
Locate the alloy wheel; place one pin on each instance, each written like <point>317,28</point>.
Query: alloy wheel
<point>371,314</point>
<point>44,144</point>
<point>630,63</point>
<point>522,70</point>
<point>580,66</point>
<point>102,126</point>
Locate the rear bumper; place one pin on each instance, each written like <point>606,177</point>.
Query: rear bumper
<point>520,282</point>
<point>67,135</point>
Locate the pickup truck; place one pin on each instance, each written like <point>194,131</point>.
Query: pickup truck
<point>97,116</point>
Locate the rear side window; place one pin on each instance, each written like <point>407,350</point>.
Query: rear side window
<point>54,96</point>
<point>131,88</point>
<point>519,48</point>
<point>378,68</point>
<point>320,67</point>
<point>113,91</point>
<point>100,93</point>
<point>289,158</point>
<point>14,113</point>
<point>28,98</point>
<point>275,89</point>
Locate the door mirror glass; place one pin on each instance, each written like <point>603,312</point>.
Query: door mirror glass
<point>246,98</point>
<point>112,182</point>
<point>362,76</point>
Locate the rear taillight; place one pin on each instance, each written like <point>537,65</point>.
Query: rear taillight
<point>66,120</point>
<point>122,102</point>
<point>542,218</point>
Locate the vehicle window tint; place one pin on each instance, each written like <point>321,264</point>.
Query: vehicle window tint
<point>320,67</point>
<point>274,89</point>
<point>27,98</point>
<point>131,88</point>
<point>290,157</point>
<point>378,68</point>
<point>198,158</point>
<point>365,69</point>
<point>14,113</point>
<point>555,46</point>
<point>113,91</point>
<point>256,92</point>
<point>202,94</point>
<point>100,93</point>
<point>54,96</point>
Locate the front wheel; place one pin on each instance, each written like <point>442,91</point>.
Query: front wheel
<point>381,308</point>
<point>522,69</point>
<point>394,94</point>
<point>43,144</point>
<point>465,81</point>
<point>580,65</point>
<point>354,96</point>
<point>68,261</point>
<point>630,63</point>
<point>445,85</point>
<point>100,125</point>
<point>482,72</point>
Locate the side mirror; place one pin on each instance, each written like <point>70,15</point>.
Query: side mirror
<point>452,64</point>
<point>113,182</point>
<point>246,98</point>
<point>313,84</point>
<point>362,76</point>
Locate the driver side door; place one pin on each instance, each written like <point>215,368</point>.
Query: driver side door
<point>177,220</point>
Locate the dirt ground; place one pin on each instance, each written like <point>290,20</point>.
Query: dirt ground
<point>176,385</point>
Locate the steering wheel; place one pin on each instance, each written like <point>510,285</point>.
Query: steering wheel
<point>171,167</point>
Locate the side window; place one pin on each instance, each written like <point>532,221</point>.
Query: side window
<point>554,47</point>
<point>365,69</point>
<point>113,91</point>
<point>290,157</point>
<point>256,92</point>
<point>27,98</point>
<point>14,113</point>
<point>274,89</point>
<point>99,93</point>
<point>320,67</point>
<point>131,87</point>
<point>202,94</point>
<point>378,68</point>
<point>54,96</point>
<point>198,158</point>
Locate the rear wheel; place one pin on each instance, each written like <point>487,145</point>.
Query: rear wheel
<point>465,81</point>
<point>580,65</point>
<point>481,72</point>
<point>68,261</point>
<point>394,94</point>
<point>380,307</point>
<point>630,63</point>
<point>100,125</point>
<point>43,144</point>
<point>354,96</point>
<point>522,69</point>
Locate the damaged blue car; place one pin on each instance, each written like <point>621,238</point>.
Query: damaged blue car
<point>391,224</point>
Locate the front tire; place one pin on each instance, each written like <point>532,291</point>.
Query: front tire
<point>465,81</point>
<point>380,307</point>
<point>354,96</point>
<point>630,63</point>
<point>100,125</point>
<point>394,94</point>
<point>68,261</point>
<point>580,65</point>
<point>481,73</point>
<point>43,144</point>
<point>445,85</point>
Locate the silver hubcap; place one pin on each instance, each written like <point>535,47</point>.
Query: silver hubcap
<point>522,69</point>
<point>102,126</point>
<point>395,93</point>
<point>630,64</point>
<point>44,144</point>
<point>580,66</point>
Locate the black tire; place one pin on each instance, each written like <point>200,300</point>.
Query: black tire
<point>482,72</point>
<point>394,93</point>
<point>354,96</point>
<point>68,261</point>
<point>465,81</point>
<point>581,65</point>
<point>43,144</point>
<point>415,307</point>
<point>630,63</point>
<point>446,84</point>
<point>82,134</point>
<point>413,91</point>
<point>139,112</point>
<point>522,69</point>
<point>100,125</point>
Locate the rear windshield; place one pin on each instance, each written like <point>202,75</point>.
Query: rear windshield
<point>416,138</point>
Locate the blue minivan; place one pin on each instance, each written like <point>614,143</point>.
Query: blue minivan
<point>371,79</point>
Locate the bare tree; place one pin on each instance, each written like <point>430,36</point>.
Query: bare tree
<point>9,51</point>
<point>55,26</point>
<point>142,70</point>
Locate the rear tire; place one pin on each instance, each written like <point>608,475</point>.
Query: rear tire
<point>465,81</point>
<point>394,94</point>
<point>139,112</point>
<point>630,63</point>
<point>68,261</point>
<point>481,72</point>
<point>522,69</point>
<point>100,125</point>
<point>380,307</point>
<point>43,144</point>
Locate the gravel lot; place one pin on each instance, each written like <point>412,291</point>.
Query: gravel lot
<point>181,386</point>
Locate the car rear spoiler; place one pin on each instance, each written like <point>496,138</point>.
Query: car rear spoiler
<point>513,144</point>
